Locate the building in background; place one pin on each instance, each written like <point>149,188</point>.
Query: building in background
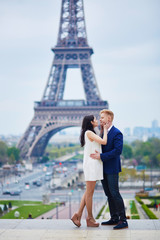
<point>142,133</point>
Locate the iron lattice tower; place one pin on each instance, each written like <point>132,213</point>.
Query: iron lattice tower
<point>53,113</point>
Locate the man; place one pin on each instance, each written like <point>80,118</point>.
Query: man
<point>111,167</point>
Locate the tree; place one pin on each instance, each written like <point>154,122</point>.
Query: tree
<point>45,159</point>
<point>127,151</point>
<point>3,153</point>
<point>146,160</point>
<point>5,208</point>
<point>14,154</point>
<point>158,159</point>
<point>155,143</point>
<point>123,176</point>
<point>1,212</point>
<point>10,205</point>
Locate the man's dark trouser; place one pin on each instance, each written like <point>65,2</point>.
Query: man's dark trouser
<point>115,201</point>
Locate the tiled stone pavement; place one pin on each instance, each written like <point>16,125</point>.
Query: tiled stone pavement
<point>64,229</point>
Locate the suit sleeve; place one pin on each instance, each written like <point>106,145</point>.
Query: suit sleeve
<point>116,151</point>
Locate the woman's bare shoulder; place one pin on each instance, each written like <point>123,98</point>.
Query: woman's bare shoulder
<point>89,132</point>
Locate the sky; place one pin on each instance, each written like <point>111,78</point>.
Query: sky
<point>125,37</point>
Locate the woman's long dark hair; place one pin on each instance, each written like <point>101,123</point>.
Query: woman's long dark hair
<point>86,125</point>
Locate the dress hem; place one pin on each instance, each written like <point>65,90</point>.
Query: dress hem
<point>91,180</point>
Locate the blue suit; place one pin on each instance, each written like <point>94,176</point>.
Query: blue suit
<point>111,152</point>
<point>111,167</point>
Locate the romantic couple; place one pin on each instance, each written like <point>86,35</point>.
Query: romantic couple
<point>101,161</point>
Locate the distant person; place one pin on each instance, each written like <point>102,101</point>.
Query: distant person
<point>155,205</point>
<point>110,157</point>
<point>29,216</point>
<point>93,170</point>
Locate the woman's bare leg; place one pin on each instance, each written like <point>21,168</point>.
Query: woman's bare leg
<point>85,201</point>
<point>82,205</point>
<point>77,216</point>
<point>90,186</point>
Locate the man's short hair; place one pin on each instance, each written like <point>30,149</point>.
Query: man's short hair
<point>108,112</point>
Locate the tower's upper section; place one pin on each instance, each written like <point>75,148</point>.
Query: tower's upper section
<point>72,29</point>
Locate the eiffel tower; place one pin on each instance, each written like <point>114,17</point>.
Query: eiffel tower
<point>53,113</point>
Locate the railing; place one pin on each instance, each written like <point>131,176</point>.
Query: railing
<point>69,103</point>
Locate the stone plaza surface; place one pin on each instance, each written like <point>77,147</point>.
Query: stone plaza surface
<point>64,229</point>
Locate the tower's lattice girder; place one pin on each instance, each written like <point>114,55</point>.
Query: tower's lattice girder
<point>53,113</point>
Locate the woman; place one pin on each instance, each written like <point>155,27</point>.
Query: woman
<point>93,170</point>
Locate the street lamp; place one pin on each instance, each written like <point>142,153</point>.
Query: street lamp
<point>151,173</point>
<point>144,180</point>
<point>79,194</point>
<point>2,186</point>
<point>57,200</point>
<point>70,194</point>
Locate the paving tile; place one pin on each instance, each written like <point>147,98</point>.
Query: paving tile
<point>24,232</point>
<point>2,230</point>
<point>64,238</point>
<point>109,233</point>
<point>65,229</point>
<point>117,238</point>
<point>157,235</point>
<point>141,234</point>
<point>66,233</point>
<point>107,238</point>
<point>46,224</point>
<point>9,223</point>
<point>17,233</point>
<point>141,224</point>
<point>157,224</point>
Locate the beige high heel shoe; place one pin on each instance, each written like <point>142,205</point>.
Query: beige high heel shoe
<point>91,222</point>
<point>75,220</point>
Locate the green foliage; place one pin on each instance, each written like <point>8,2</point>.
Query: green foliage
<point>10,205</point>
<point>36,209</point>
<point>100,212</point>
<point>127,151</point>
<point>1,212</point>
<point>150,214</point>
<point>5,208</point>
<point>147,152</point>
<point>43,159</point>
<point>135,217</point>
<point>13,153</point>
<point>133,207</point>
<point>138,199</point>
<point>152,199</point>
<point>146,160</point>
<point>127,173</point>
<point>158,158</point>
<point>107,210</point>
<point>9,155</point>
<point>123,176</point>
<point>3,149</point>
<point>58,152</point>
<point>79,156</point>
<point>19,203</point>
<point>3,153</point>
<point>142,150</point>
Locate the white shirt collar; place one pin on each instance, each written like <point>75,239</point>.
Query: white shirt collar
<point>110,128</point>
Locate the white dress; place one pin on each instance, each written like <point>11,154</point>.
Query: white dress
<point>93,169</point>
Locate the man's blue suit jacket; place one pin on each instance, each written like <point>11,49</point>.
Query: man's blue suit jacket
<point>111,152</point>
